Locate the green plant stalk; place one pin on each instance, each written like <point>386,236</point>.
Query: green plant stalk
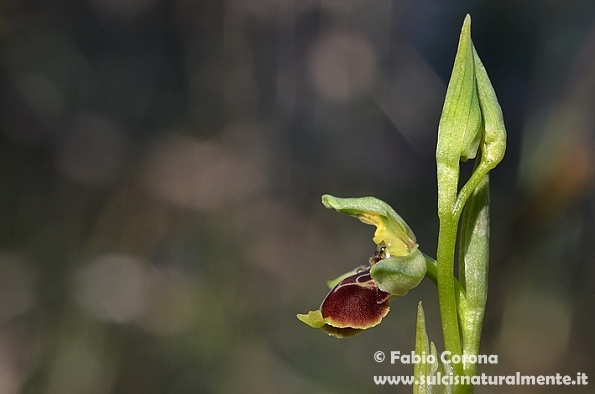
<point>432,274</point>
<point>449,300</point>
<point>447,238</point>
<point>459,135</point>
<point>462,302</point>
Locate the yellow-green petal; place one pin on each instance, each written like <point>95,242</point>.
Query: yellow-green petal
<point>314,319</point>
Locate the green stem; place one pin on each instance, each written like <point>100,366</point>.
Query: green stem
<point>447,238</point>
<point>432,271</point>
<point>432,274</point>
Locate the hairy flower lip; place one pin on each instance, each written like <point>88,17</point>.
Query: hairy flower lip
<point>353,305</point>
<point>355,302</point>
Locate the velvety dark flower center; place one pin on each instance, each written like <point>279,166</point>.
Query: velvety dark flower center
<point>355,302</point>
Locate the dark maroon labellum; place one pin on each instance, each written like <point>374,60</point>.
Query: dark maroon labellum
<point>355,302</point>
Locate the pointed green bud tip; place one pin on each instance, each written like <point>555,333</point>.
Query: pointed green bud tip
<point>391,230</point>
<point>460,128</point>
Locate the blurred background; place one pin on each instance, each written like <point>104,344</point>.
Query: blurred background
<point>161,167</point>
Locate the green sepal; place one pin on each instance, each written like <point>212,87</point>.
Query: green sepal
<point>397,275</point>
<point>391,230</point>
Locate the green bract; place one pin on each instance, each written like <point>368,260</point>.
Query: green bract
<point>426,373</point>
<point>494,137</point>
